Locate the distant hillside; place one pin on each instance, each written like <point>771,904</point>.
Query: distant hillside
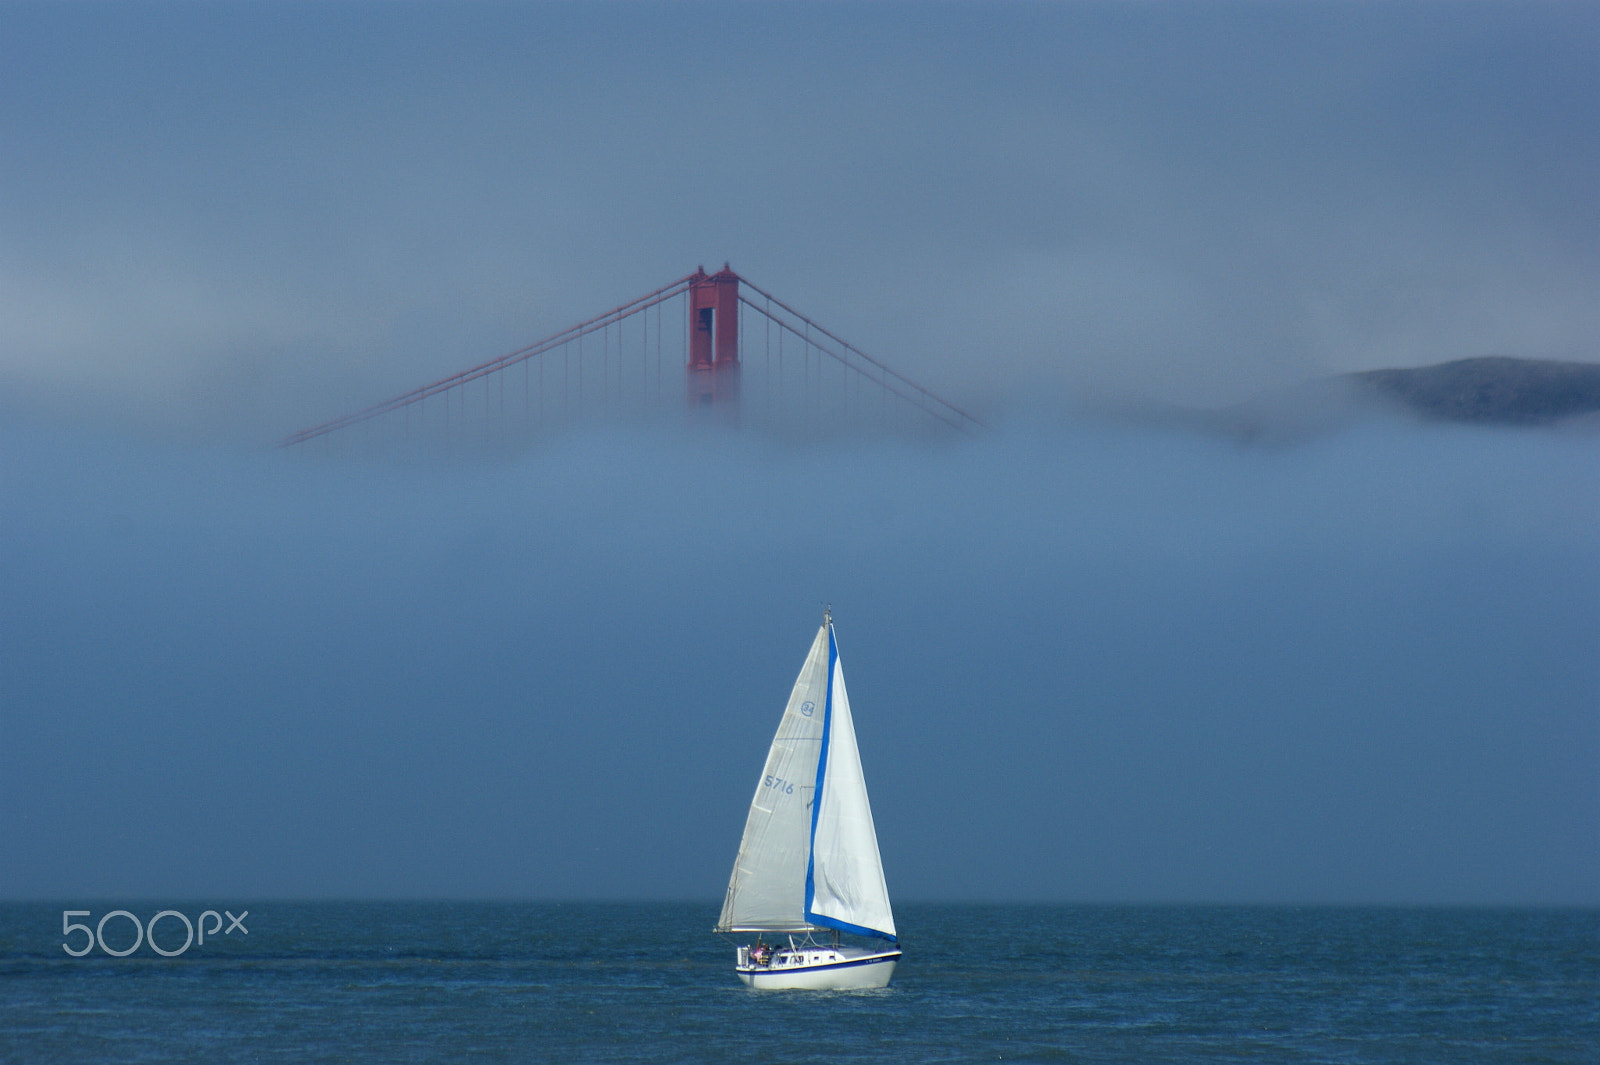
<point>1496,389</point>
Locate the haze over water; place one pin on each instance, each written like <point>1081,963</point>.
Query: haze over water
<point>1088,662</point>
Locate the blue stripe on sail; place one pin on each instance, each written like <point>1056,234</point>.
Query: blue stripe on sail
<point>816,807</point>
<point>846,926</point>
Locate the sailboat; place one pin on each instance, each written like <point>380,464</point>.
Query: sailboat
<point>808,871</point>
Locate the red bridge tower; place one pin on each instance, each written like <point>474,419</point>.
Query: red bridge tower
<point>713,337</point>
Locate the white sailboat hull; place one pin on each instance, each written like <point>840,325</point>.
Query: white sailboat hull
<point>827,969</point>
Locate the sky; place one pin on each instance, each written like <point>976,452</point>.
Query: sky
<point>1089,659</point>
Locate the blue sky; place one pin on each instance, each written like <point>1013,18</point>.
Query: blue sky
<point>1088,659</point>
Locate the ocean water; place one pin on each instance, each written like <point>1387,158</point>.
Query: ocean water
<point>646,982</point>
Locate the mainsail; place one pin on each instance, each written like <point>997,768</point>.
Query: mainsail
<point>809,856</point>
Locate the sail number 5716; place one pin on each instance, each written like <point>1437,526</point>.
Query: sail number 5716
<point>778,784</point>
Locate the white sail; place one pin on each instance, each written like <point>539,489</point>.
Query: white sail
<point>809,856</point>
<point>766,892</point>
<point>845,887</point>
